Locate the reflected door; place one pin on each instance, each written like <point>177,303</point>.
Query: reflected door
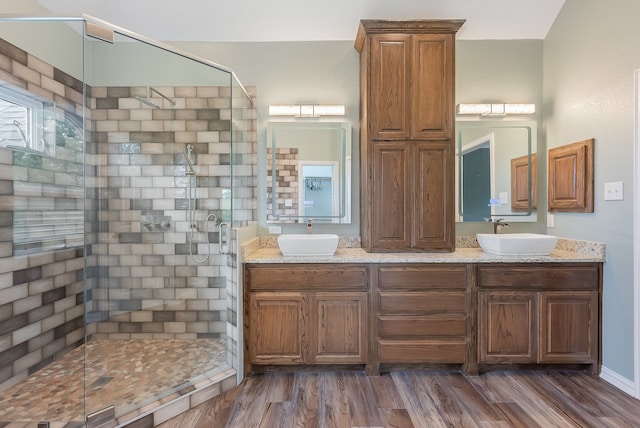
<point>476,189</point>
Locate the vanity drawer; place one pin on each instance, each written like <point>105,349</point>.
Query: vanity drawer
<point>584,276</point>
<point>308,277</point>
<point>422,277</point>
<point>422,351</point>
<point>407,303</point>
<point>418,326</point>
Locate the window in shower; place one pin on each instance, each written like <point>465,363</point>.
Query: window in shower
<point>46,147</point>
<point>25,120</point>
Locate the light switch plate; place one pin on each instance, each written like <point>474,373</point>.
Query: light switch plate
<point>504,198</point>
<point>614,191</point>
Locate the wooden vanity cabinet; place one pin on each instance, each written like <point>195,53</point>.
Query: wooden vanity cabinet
<point>422,314</point>
<point>540,314</point>
<point>406,136</point>
<point>305,314</point>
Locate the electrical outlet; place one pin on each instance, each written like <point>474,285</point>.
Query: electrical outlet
<point>275,230</point>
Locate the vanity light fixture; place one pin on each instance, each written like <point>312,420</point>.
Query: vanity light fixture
<point>307,111</point>
<point>495,110</point>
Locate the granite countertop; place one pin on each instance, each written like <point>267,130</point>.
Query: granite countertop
<point>566,251</point>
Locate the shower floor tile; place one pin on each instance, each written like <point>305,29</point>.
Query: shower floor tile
<point>124,373</point>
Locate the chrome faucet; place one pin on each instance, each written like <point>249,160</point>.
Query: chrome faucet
<point>498,224</point>
<point>309,227</point>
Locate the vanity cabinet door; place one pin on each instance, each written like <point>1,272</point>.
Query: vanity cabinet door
<point>412,198</point>
<point>433,196</point>
<point>568,326</point>
<point>338,322</point>
<point>432,86</point>
<point>390,200</point>
<point>389,87</point>
<point>507,326</point>
<point>278,328</point>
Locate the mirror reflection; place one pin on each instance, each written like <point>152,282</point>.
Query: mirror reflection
<point>496,170</point>
<point>308,172</point>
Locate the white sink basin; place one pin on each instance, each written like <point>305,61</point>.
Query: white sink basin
<point>318,244</point>
<point>517,244</point>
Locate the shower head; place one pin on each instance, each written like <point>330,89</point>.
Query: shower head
<point>187,156</point>
<point>148,99</point>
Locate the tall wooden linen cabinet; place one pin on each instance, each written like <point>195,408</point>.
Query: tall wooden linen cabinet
<point>407,142</point>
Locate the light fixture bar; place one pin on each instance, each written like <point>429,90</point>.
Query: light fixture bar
<point>495,110</point>
<point>307,110</point>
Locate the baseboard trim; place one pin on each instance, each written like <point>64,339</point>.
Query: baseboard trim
<point>619,381</point>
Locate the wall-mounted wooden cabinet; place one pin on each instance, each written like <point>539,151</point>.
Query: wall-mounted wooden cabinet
<point>406,136</point>
<point>571,177</point>
<point>520,184</point>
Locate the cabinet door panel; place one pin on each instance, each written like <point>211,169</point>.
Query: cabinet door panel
<point>432,86</point>
<point>568,326</point>
<point>389,95</point>
<point>507,323</point>
<point>339,323</point>
<point>434,196</point>
<point>391,195</point>
<point>278,328</point>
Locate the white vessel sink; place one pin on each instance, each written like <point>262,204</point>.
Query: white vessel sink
<point>517,244</point>
<point>318,244</point>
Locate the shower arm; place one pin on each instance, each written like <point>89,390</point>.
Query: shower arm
<point>151,90</point>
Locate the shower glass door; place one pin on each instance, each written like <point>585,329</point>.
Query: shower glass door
<point>161,162</point>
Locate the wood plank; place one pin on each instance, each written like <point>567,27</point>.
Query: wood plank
<point>334,401</point>
<point>516,415</point>
<point>275,415</point>
<point>385,392</point>
<point>538,407</point>
<point>468,398</point>
<point>304,410</point>
<point>396,418</point>
<point>250,406</point>
<point>364,411</point>
<point>420,407</point>
<point>449,406</point>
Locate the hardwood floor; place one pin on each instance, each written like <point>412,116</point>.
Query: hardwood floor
<point>417,399</point>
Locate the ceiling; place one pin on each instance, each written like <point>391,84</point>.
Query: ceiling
<point>295,20</point>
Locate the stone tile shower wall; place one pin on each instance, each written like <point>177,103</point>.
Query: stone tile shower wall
<point>154,288</point>
<point>286,181</point>
<point>41,294</point>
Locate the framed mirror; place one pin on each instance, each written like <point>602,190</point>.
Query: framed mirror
<point>496,170</point>
<point>308,172</point>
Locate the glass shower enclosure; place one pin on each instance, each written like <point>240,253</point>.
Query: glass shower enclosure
<point>125,167</point>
